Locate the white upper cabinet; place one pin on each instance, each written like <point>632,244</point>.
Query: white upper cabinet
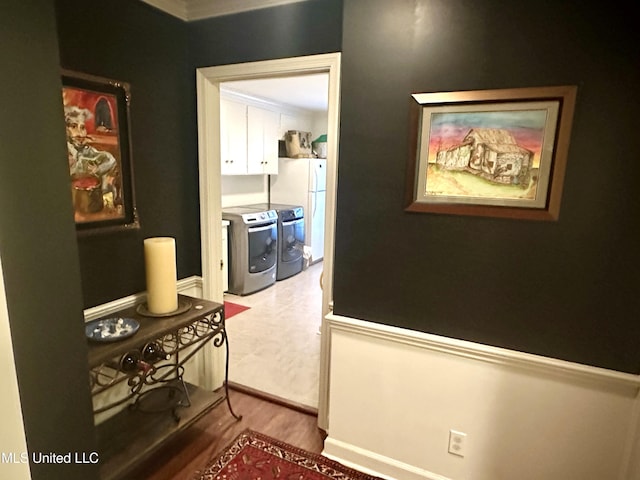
<point>262,137</point>
<point>233,137</point>
<point>248,139</point>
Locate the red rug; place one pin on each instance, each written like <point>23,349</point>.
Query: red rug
<point>254,456</point>
<point>231,309</point>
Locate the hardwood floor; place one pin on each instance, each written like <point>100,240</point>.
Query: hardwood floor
<point>192,450</point>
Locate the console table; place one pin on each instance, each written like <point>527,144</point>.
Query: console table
<point>150,363</point>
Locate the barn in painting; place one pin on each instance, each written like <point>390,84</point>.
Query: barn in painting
<point>490,153</point>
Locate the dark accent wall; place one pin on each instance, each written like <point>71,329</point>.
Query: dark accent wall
<point>135,43</point>
<point>306,28</point>
<point>157,54</point>
<point>50,275</point>
<point>565,289</point>
<point>38,244</point>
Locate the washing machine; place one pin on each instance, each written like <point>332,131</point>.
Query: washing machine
<point>290,237</point>
<point>253,248</point>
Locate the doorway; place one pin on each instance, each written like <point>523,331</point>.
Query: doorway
<point>208,99</point>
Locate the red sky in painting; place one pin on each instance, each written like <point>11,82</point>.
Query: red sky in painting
<point>87,99</point>
<point>447,136</point>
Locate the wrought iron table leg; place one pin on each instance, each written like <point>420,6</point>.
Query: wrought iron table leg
<point>226,378</point>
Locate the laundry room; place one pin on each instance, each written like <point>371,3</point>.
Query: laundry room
<point>273,134</point>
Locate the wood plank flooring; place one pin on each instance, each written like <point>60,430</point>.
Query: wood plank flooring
<point>191,450</point>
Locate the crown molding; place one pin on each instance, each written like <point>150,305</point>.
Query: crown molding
<point>177,8</point>
<point>189,10</point>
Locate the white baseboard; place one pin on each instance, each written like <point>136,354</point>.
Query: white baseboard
<point>373,464</point>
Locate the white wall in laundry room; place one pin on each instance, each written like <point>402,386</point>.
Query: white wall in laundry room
<point>243,190</point>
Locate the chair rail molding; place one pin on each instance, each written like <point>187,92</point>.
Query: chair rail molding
<point>485,353</point>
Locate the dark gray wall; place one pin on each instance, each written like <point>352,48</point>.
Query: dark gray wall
<point>50,274</point>
<point>565,289</point>
<point>38,244</point>
<point>305,28</point>
<point>135,43</point>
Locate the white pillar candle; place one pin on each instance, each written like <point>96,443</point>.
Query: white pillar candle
<point>160,265</point>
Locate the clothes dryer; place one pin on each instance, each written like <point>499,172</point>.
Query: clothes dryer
<point>290,237</point>
<point>253,248</point>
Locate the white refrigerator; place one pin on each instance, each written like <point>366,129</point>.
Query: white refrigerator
<point>303,181</point>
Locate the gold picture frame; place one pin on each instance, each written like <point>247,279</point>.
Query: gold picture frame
<point>497,153</point>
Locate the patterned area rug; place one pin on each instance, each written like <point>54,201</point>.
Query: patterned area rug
<point>231,309</point>
<point>254,456</point>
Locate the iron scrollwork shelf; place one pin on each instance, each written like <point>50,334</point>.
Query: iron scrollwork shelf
<point>152,362</point>
<point>152,385</point>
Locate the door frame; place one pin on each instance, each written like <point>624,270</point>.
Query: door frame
<point>208,80</point>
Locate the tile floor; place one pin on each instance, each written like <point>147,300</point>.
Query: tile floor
<point>275,345</point>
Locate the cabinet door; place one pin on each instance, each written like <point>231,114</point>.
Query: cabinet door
<point>233,137</point>
<point>270,132</point>
<point>262,141</point>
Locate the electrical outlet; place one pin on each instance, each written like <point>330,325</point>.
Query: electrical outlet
<point>457,443</point>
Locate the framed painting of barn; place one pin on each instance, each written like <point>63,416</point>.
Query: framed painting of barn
<point>96,113</point>
<point>499,153</point>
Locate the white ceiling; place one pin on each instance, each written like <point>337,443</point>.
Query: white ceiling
<point>308,92</point>
<point>198,9</point>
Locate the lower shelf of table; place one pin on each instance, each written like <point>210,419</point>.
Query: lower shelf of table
<point>130,436</point>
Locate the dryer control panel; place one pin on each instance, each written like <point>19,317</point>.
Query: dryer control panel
<point>259,217</point>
